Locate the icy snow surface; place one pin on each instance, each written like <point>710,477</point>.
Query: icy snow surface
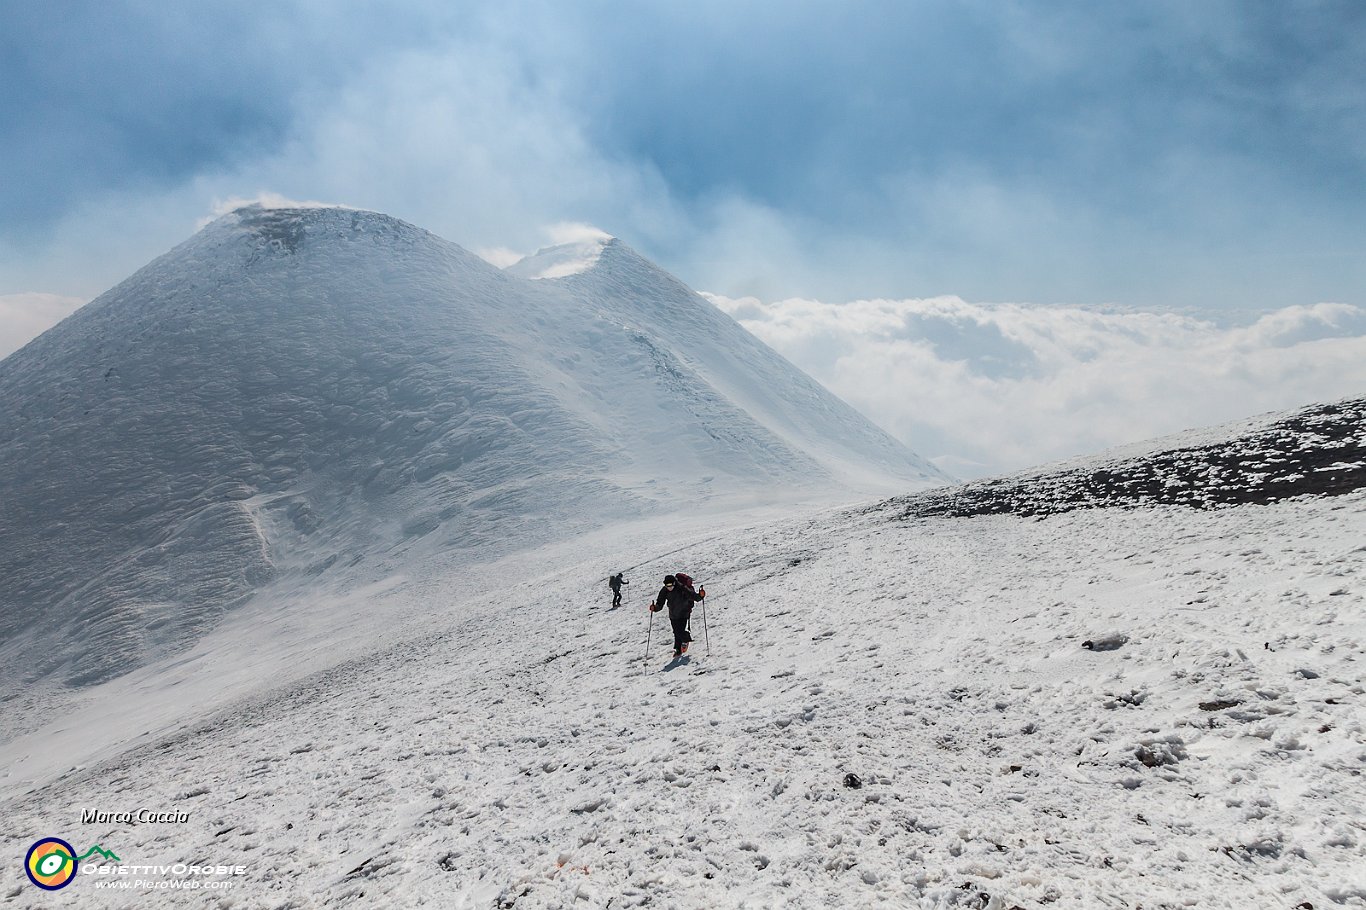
<point>881,711</point>
<point>321,508</point>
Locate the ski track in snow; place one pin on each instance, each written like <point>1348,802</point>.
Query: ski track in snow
<point>527,756</point>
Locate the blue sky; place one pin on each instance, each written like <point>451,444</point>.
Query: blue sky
<point>1149,154</point>
<point>1173,190</point>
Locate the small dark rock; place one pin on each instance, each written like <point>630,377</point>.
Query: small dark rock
<point>852,781</point>
<point>1218,704</point>
<point>1111,641</point>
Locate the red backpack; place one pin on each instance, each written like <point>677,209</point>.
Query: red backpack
<point>684,580</point>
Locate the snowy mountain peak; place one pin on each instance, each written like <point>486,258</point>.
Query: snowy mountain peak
<point>302,398</point>
<point>562,260</point>
<point>289,224</point>
<point>258,233</point>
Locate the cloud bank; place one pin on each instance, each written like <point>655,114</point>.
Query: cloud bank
<point>989,388</point>
<point>1158,154</point>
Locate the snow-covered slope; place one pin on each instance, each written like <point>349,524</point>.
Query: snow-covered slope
<point>660,316</point>
<point>322,397</point>
<point>1155,706</point>
<point>1134,681</point>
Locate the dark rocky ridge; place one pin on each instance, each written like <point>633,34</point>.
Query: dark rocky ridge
<point>1318,451</point>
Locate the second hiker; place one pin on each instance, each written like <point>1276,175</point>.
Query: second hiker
<point>615,583</point>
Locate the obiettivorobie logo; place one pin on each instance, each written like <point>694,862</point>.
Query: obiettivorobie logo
<point>51,863</point>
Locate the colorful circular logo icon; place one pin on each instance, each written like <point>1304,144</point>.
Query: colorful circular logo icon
<point>51,863</point>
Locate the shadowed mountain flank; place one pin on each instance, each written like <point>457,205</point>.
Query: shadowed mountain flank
<point>321,395</point>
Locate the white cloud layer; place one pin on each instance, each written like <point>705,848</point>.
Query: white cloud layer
<point>990,388</point>
<point>457,141</point>
<point>24,317</point>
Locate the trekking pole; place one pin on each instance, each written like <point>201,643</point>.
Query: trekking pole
<point>645,662</point>
<point>705,635</point>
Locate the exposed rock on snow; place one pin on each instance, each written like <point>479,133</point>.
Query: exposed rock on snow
<point>1320,450</point>
<point>1110,641</point>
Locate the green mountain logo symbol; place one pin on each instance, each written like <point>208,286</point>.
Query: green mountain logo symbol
<point>106,854</point>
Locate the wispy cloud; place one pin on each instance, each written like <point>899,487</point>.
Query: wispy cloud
<point>987,388</point>
<point>576,232</point>
<point>1155,155</point>
<point>265,199</point>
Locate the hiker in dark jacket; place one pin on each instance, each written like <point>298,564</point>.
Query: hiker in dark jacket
<point>615,583</point>
<point>680,598</point>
